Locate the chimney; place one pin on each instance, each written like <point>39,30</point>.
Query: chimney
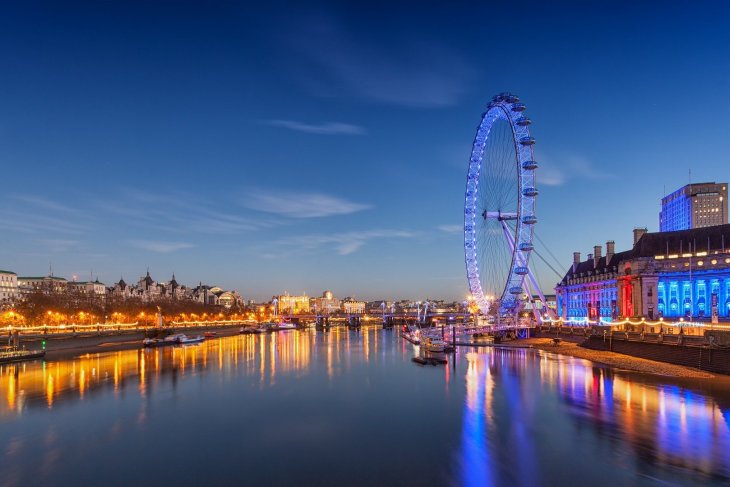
<point>610,250</point>
<point>576,261</point>
<point>638,233</point>
<point>596,255</point>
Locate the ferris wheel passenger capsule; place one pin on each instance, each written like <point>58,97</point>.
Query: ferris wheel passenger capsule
<point>527,141</point>
<point>529,219</point>
<point>532,192</point>
<point>519,107</point>
<point>529,165</point>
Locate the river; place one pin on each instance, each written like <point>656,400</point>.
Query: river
<point>349,407</point>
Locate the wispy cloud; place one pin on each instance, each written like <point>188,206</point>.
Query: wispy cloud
<point>38,215</point>
<point>59,244</point>
<point>176,213</point>
<point>343,243</point>
<point>571,167</point>
<point>407,72</point>
<point>451,228</point>
<point>550,175</point>
<point>161,247</point>
<point>585,169</point>
<point>327,128</point>
<point>301,205</point>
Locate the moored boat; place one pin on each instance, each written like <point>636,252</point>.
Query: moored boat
<point>20,355</point>
<point>435,345</point>
<point>186,340</point>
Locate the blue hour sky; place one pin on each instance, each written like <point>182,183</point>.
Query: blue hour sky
<point>310,146</point>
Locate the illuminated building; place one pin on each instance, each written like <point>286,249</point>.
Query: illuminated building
<point>228,299</point>
<point>292,304</point>
<point>681,274</point>
<point>694,206</point>
<point>353,306</point>
<point>46,284</point>
<point>8,287</point>
<point>550,303</point>
<point>326,304</point>
<point>88,288</point>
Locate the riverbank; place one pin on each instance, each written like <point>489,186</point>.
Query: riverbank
<point>64,346</point>
<point>612,359</point>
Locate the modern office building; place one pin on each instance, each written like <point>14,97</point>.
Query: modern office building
<point>694,206</point>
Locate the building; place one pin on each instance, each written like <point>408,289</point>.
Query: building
<point>46,284</point>
<point>229,299</point>
<point>682,274</point>
<point>287,304</point>
<point>694,206</point>
<point>550,303</point>
<point>325,304</point>
<point>88,288</point>
<point>352,306</point>
<point>8,287</point>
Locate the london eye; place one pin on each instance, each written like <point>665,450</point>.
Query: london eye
<point>499,209</point>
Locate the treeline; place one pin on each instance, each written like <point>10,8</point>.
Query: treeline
<point>43,307</point>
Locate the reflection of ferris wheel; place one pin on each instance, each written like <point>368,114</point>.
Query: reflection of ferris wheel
<point>499,211</point>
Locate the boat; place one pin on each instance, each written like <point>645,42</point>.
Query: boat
<point>434,345</point>
<point>210,334</point>
<point>20,355</point>
<point>186,340</point>
<point>286,326</point>
<point>176,339</point>
<point>413,335</point>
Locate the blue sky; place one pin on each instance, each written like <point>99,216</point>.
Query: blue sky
<point>324,146</point>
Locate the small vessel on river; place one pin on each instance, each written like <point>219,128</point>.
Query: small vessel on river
<point>176,339</point>
<point>19,355</point>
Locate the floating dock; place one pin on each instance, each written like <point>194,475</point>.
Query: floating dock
<point>20,355</point>
<point>430,360</point>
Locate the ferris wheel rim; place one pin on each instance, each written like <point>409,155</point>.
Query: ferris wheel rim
<point>505,107</point>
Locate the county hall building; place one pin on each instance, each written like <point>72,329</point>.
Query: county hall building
<point>673,275</point>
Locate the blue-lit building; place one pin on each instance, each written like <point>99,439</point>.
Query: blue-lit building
<point>694,206</point>
<point>672,275</point>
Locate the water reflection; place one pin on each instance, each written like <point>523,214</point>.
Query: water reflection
<point>500,416</point>
<point>45,383</point>
<point>658,424</point>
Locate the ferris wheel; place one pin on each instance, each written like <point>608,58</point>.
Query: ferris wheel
<point>499,209</point>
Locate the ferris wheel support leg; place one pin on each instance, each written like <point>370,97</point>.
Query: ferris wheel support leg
<point>530,275</point>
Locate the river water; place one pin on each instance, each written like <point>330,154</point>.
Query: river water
<point>351,408</point>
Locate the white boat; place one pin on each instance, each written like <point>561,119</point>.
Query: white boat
<point>184,339</point>
<point>435,345</point>
<point>286,326</point>
<point>413,335</point>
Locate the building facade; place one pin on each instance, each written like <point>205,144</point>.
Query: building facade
<point>325,304</point>
<point>8,287</point>
<point>287,304</point>
<point>353,306</point>
<point>88,288</point>
<point>675,275</point>
<point>694,206</point>
<point>46,284</point>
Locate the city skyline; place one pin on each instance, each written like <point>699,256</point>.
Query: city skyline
<point>263,153</point>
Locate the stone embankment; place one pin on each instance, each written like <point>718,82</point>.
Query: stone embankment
<point>613,359</point>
